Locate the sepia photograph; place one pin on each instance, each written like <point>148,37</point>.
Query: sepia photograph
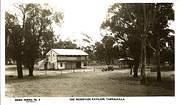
<point>88,48</point>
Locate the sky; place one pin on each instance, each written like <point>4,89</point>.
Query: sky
<point>80,16</point>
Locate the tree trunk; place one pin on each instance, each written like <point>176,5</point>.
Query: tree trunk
<point>136,66</point>
<point>158,59</point>
<point>143,68</point>
<point>31,68</point>
<point>19,69</point>
<point>131,67</point>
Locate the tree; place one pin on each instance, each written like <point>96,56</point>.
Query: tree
<point>64,45</point>
<point>160,30</point>
<point>14,41</point>
<point>134,25</point>
<point>90,51</point>
<point>99,52</point>
<point>31,44</point>
<point>106,50</point>
<point>108,42</point>
<point>123,23</point>
<point>39,35</point>
<point>36,33</point>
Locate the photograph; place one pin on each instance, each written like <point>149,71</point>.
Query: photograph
<point>89,48</point>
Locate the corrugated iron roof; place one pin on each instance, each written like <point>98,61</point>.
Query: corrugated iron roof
<point>69,52</point>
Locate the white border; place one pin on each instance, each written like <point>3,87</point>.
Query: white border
<point>2,50</point>
<point>128,100</point>
<point>177,49</point>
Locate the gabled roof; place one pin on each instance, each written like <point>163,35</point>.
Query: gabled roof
<point>69,52</point>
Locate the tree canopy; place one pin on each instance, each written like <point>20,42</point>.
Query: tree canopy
<point>139,27</point>
<point>28,37</point>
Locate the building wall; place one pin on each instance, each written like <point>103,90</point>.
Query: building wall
<point>65,65</point>
<point>51,65</point>
<point>71,58</point>
<point>83,64</point>
<point>52,56</point>
<point>52,60</point>
<point>55,61</point>
<point>70,65</point>
<point>61,65</point>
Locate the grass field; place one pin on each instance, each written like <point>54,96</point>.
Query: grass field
<point>88,83</point>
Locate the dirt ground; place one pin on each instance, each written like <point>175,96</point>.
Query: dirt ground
<point>86,82</point>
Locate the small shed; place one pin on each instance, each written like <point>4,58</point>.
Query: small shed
<point>41,64</point>
<point>126,62</point>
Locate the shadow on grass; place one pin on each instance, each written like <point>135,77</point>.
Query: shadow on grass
<point>116,83</point>
<point>15,79</point>
<point>166,83</point>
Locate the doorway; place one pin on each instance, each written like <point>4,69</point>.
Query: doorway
<point>78,65</point>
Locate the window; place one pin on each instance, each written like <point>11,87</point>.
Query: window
<point>61,64</point>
